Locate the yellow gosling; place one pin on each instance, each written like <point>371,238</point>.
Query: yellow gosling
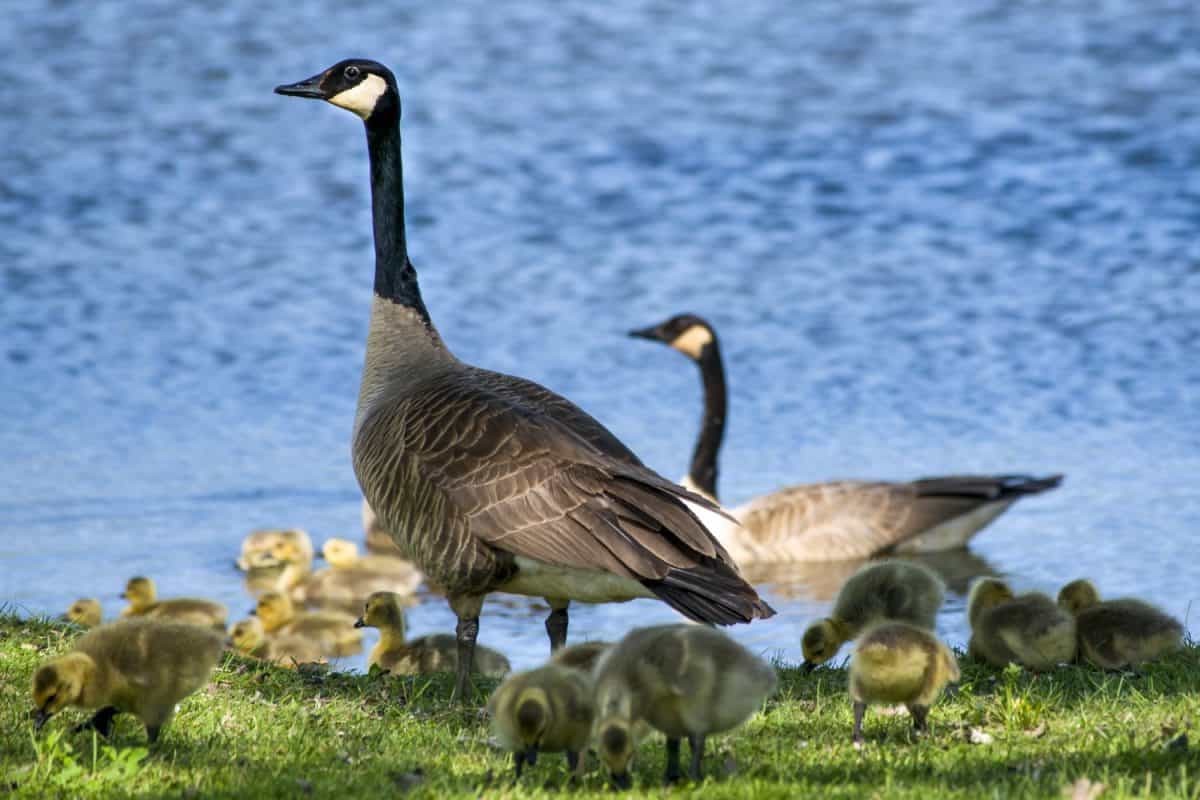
<point>143,602</point>
<point>1115,634</point>
<point>85,612</point>
<point>583,656</point>
<point>687,681</point>
<point>546,710</point>
<point>1028,629</point>
<point>330,631</point>
<point>883,590</point>
<point>248,638</point>
<point>138,666</point>
<point>895,662</point>
<point>258,545</point>
<point>351,578</point>
<point>426,654</point>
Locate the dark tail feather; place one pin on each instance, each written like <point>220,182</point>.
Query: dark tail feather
<point>986,487</point>
<point>711,593</point>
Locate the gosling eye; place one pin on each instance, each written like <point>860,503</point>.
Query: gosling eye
<point>351,72</point>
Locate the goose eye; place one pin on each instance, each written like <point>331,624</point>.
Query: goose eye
<point>351,72</point>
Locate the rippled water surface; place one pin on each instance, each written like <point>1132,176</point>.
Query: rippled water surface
<point>935,237</point>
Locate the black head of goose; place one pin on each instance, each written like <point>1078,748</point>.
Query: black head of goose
<point>836,520</point>
<point>489,482</point>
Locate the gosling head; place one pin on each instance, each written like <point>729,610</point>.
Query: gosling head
<point>615,745</point>
<point>986,593</point>
<point>84,611</point>
<point>340,552</point>
<point>367,88</point>
<point>274,610</point>
<point>382,610</point>
<point>140,591</point>
<point>687,333</point>
<point>246,634</point>
<point>821,642</point>
<point>1077,596</point>
<point>532,719</point>
<point>60,683</point>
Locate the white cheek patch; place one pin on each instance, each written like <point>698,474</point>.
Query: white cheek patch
<point>361,99</point>
<point>692,341</point>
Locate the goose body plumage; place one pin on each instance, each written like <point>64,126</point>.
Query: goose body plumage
<point>489,482</point>
<point>834,520</point>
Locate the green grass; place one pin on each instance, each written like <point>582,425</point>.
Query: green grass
<point>258,731</point>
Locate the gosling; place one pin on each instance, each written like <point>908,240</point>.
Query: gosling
<point>895,662</point>
<point>137,666</point>
<point>883,590</point>
<point>546,710</point>
<point>1029,629</point>
<point>84,612</point>
<point>143,602</point>
<point>257,546</point>
<point>248,637</point>
<point>350,578</point>
<point>583,656</point>
<point>433,653</point>
<point>684,680</point>
<point>1115,634</point>
<point>331,631</point>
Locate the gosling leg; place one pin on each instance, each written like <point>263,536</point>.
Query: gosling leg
<point>556,624</point>
<point>518,764</point>
<point>101,722</point>
<point>696,743</point>
<point>920,715</point>
<point>859,710</point>
<point>673,773</point>
<point>575,765</point>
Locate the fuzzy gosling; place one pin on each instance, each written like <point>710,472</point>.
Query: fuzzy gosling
<point>544,710</point>
<point>1029,629</point>
<point>583,656</point>
<point>881,590</point>
<point>1114,634</point>
<point>436,652</point>
<point>248,637</point>
<point>138,666</point>
<point>687,681</point>
<point>84,612</point>
<point>143,602</point>
<point>331,631</point>
<point>895,662</point>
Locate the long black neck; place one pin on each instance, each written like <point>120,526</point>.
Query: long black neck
<point>703,472</point>
<point>395,278</point>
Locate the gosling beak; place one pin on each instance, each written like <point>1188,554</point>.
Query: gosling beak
<point>253,612</point>
<point>808,667</point>
<point>623,781</point>
<point>64,618</point>
<point>310,87</point>
<point>39,719</point>
<point>228,642</point>
<point>359,623</point>
<point>652,333</point>
<point>531,755</point>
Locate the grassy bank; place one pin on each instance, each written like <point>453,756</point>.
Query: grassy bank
<point>265,732</point>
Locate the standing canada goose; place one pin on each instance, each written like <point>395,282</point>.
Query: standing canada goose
<point>143,602</point>
<point>549,710</point>
<point>84,612</point>
<point>834,520</point>
<point>902,591</point>
<point>687,681</point>
<point>437,652</point>
<point>1027,629</point>
<point>1114,634</point>
<point>489,482</point>
<point>377,539</point>
<point>140,666</point>
<point>895,662</point>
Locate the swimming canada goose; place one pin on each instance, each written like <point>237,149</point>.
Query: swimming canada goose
<point>433,653</point>
<point>834,520</point>
<point>1027,629</point>
<point>583,656</point>
<point>85,612</point>
<point>143,602</point>
<point>378,540</point>
<point>139,666</point>
<point>895,662</point>
<point>249,638</point>
<point>260,542</point>
<point>1114,634</point>
<point>687,681</point>
<point>331,631</point>
<point>489,482</point>
<point>546,710</point>
<point>903,591</point>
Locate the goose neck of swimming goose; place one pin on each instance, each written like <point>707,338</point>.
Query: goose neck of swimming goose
<point>703,470</point>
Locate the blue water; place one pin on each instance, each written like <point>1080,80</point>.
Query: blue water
<point>935,237</point>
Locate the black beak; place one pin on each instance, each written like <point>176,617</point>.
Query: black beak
<point>808,667</point>
<point>623,781</point>
<point>359,623</point>
<point>652,333</point>
<point>39,719</point>
<point>310,87</point>
<point>65,618</point>
<point>253,612</point>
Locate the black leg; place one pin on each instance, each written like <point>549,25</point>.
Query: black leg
<point>920,715</point>
<point>152,733</point>
<point>696,743</point>
<point>101,722</point>
<point>859,710</point>
<point>466,630</point>
<point>556,627</point>
<point>573,764</point>
<point>518,764</point>
<point>673,773</point>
